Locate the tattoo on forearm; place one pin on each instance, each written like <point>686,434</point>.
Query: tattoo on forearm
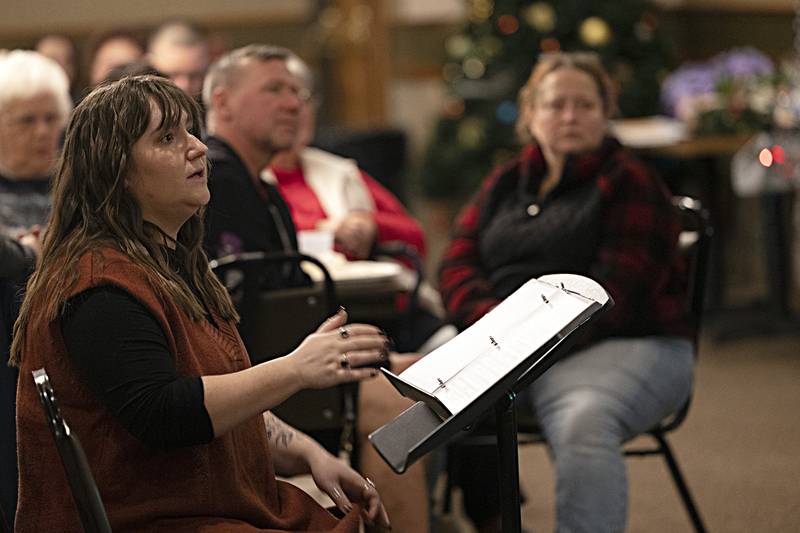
<point>278,433</point>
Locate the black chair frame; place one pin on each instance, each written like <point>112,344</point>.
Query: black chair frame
<point>81,482</point>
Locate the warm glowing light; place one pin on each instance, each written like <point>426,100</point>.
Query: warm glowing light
<point>508,24</point>
<point>765,157</point>
<point>778,154</point>
<point>550,45</point>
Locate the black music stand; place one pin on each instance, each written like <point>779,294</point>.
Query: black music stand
<point>419,429</point>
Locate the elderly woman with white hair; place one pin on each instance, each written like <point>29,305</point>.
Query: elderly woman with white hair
<point>34,105</point>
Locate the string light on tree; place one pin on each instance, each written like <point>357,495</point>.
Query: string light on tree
<point>507,24</point>
<point>471,132</point>
<point>458,46</point>
<point>507,112</point>
<point>595,32</point>
<point>481,10</point>
<point>473,68</point>
<point>490,46</point>
<point>765,157</point>
<point>550,45</point>
<point>454,108</point>
<point>540,16</point>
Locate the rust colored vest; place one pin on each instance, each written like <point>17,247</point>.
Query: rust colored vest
<point>226,485</point>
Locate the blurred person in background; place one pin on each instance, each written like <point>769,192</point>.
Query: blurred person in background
<point>575,200</point>
<point>17,260</point>
<point>61,49</point>
<point>34,105</point>
<point>112,49</point>
<point>327,191</point>
<point>254,103</point>
<point>137,68</point>
<point>180,51</point>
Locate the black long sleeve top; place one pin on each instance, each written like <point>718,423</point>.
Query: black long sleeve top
<point>122,353</point>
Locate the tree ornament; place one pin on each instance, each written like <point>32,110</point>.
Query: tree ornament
<point>540,16</point>
<point>506,112</point>
<point>507,24</point>
<point>454,108</point>
<point>550,45</point>
<point>473,68</point>
<point>481,10</point>
<point>471,132</point>
<point>489,47</point>
<point>595,32</point>
<point>458,46</point>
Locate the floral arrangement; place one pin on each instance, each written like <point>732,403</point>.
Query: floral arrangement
<point>737,91</point>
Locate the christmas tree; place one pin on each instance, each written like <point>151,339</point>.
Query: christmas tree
<point>491,58</point>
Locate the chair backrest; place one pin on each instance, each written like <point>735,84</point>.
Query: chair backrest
<point>695,245</point>
<point>81,482</point>
<point>275,321</point>
<point>4,527</point>
<point>380,152</point>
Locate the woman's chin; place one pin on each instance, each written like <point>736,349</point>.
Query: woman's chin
<point>578,147</point>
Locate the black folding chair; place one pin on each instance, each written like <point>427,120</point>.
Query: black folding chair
<point>695,245</point>
<point>81,482</point>
<point>274,320</point>
<point>4,527</point>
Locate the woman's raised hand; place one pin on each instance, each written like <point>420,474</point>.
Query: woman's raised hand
<point>336,351</point>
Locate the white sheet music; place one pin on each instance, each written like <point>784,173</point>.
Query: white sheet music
<point>467,366</point>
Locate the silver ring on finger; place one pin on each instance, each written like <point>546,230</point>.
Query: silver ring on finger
<point>345,361</point>
<point>343,332</point>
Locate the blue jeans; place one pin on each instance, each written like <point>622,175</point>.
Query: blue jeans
<point>593,401</point>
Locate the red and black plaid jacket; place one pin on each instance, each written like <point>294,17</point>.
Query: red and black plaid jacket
<point>636,259</point>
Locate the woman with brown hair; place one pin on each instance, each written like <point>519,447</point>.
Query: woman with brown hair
<point>140,343</point>
<point>575,200</point>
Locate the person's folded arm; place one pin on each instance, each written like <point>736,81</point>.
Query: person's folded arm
<point>637,246</point>
<point>393,221</point>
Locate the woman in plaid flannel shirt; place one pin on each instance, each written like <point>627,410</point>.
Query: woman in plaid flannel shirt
<point>575,200</point>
